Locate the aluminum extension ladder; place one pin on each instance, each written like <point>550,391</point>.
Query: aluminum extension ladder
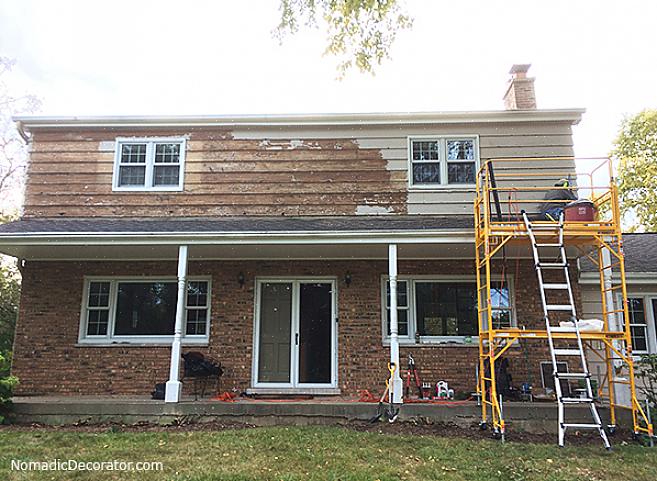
<point>576,349</point>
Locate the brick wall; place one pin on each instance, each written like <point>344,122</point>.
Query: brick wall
<point>48,361</point>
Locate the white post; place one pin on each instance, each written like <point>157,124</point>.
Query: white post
<point>174,386</point>
<point>396,385</point>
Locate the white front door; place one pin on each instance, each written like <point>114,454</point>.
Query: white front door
<point>295,342</point>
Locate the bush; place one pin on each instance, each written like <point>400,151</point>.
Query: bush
<point>7,384</point>
<point>646,372</point>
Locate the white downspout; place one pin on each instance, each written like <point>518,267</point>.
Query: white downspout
<point>396,385</point>
<point>174,386</point>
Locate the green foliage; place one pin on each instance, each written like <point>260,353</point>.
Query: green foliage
<point>360,32</point>
<point>636,150</point>
<point>646,372</point>
<point>10,289</point>
<point>7,384</point>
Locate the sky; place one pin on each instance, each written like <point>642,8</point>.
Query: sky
<point>219,57</point>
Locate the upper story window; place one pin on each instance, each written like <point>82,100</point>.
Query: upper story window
<point>443,161</point>
<point>149,164</point>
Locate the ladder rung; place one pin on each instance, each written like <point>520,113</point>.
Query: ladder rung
<point>562,329</point>
<point>558,307</point>
<point>552,265</point>
<point>567,352</point>
<point>573,375</point>
<point>555,286</point>
<point>581,425</point>
<point>576,400</point>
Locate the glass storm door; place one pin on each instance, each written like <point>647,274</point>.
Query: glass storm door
<point>296,335</point>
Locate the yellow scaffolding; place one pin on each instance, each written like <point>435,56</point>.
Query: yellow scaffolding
<point>498,229</point>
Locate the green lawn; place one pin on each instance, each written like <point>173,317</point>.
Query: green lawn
<point>314,453</point>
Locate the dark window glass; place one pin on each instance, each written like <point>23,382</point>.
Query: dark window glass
<point>145,308</point>
<point>446,309</point>
<point>461,173</point>
<point>425,150</point>
<point>197,294</point>
<point>99,294</point>
<point>166,175</point>
<point>132,175</point>
<point>402,307</point>
<point>426,173</point>
<point>638,327</point>
<point>97,322</point>
<point>196,321</point>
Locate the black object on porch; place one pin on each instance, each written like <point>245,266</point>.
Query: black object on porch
<point>202,371</point>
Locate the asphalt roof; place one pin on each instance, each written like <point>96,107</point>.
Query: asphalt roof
<point>382,223</point>
<point>640,253</point>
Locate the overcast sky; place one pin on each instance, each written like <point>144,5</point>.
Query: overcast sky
<point>219,57</point>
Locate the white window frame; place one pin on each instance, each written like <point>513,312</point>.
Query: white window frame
<point>411,338</point>
<point>649,312</point>
<point>150,164</point>
<point>442,160</point>
<point>110,339</point>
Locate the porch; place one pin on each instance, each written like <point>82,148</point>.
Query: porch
<point>536,417</point>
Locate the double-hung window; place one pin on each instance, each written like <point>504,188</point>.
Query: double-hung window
<point>142,310</point>
<point>442,309</point>
<point>443,161</point>
<point>638,324</point>
<point>149,164</point>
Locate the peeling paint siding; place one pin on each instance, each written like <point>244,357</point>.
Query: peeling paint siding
<point>373,210</point>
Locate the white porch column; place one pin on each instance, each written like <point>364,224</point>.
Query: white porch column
<point>396,383</point>
<point>174,386</point>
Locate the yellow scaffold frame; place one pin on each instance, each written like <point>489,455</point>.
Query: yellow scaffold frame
<point>599,241</point>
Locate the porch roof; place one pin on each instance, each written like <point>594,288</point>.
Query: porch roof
<point>238,237</point>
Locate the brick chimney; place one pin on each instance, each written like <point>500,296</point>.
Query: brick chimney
<point>520,91</point>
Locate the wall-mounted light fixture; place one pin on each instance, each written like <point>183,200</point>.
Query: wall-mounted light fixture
<point>240,279</point>
<point>347,278</point>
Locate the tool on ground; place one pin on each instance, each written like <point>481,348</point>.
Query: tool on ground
<point>575,348</point>
<point>412,371</point>
<point>443,391</point>
<point>390,411</point>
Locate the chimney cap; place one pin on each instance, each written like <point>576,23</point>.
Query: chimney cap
<point>520,68</point>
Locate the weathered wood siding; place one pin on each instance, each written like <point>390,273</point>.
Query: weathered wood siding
<point>273,171</point>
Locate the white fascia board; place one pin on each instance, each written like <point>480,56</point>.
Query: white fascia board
<point>109,238</point>
<point>360,119</point>
<point>630,277</point>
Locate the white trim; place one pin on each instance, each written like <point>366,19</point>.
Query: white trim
<point>294,383</point>
<point>589,277</point>
<point>149,165</point>
<point>411,339</point>
<point>442,161</point>
<point>373,118</point>
<point>110,339</point>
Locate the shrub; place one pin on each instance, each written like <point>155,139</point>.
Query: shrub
<point>7,384</point>
<point>646,372</point>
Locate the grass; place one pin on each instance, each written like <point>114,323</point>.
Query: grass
<point>318,453</point>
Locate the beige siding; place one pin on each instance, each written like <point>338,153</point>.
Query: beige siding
<point>310,170</point>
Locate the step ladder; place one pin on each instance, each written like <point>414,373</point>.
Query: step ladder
<point>576,349</point>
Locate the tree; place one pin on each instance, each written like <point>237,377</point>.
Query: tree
<point>635,149</point>
<point>13,154</point>
<point>360,32</point>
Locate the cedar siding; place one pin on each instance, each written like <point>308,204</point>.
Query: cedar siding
<point>278,170</point>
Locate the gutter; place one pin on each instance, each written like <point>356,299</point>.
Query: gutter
<point>21,131</point>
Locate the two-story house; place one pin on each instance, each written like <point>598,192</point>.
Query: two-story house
<point>266,242</point>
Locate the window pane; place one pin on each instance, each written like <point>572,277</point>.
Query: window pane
<point>166,175</point>
<point>97,322</point>
<point>446,309</point>
<point>426,173</point>
<point>197,294</point>
<point>132,175</point>
<point>133,153</point>
<point>636,310</point>
<point>99,294</point>
<point>460,150</point>
<point>425,150</point>
<point>461,173</point>
<point>145,308</point>
<point>639,342</point>
<point>196,321</point>
<point>167,153</point>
